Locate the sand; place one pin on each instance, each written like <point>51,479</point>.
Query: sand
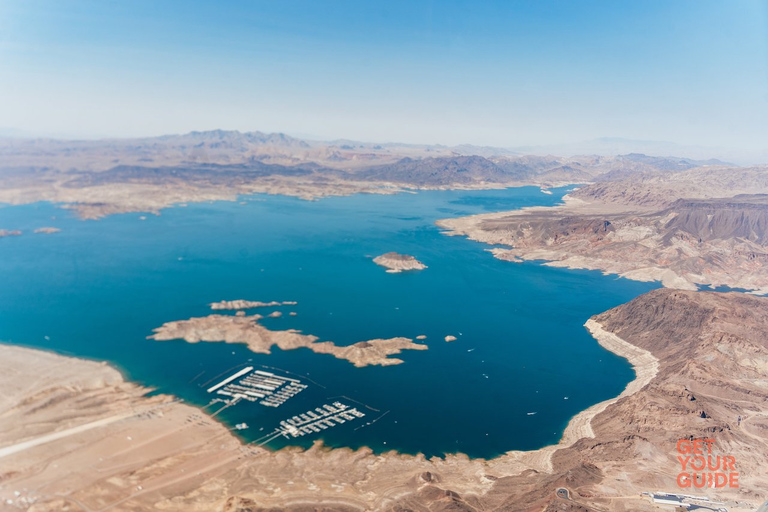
<point>137,450</point>
<point>132,452</point>
<point>75,436</point>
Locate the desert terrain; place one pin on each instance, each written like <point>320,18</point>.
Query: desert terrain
<point>701,227</point>
<point>102,177</point>
<point>76,436</point>
<point>702,373</point>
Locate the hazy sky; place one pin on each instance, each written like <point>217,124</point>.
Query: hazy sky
<point>504,73</point>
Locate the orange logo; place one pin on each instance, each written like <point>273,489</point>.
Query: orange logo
<point>700,467</point>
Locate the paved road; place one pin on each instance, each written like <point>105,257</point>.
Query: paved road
<point>15,448</point>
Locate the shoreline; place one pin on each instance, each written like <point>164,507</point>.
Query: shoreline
<point>645,366</point>
<point>335,468</point>
<point>643,363</point>
<point>173,456</point>
<point>579,426</point>
<point>505,247</point>
<point>88,204</point>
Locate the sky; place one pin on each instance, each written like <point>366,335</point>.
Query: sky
<point>502,73</point>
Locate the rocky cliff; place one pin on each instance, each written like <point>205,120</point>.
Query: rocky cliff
<point>720,241</point>
<point>712,383</point>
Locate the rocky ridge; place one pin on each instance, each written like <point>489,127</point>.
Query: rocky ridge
<point>692,242</point>
<point>104,177</point>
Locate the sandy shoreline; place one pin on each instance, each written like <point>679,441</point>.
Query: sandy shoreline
<point>143,453</point>
<point>644,364</point>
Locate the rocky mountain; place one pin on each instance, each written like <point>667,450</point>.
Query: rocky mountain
<point>475,169</point>
<point>147,174</point>
<point>216,146</point>
<point>638,164</point>
<point>712,350</point>
<point>692,242</point>
<point>657,189</point>
<point>743,217</point>
<point>437,172</point>
<point>213,174</point>
<point>612,146</point>
<point>225,147</point>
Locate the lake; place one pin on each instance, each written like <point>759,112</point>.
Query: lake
<point>521,367</point>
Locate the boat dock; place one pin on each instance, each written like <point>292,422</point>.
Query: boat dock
<point>259,386</point>
<point>321,418</point>
<point>230,379</point>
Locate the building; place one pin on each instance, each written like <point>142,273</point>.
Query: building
<point>669,499</point>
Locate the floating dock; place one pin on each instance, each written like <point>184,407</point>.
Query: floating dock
<point>230,379</point>
<point>258,386</point>
<point>320,418</point>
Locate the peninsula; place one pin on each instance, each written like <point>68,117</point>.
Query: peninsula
<point>685,230</point>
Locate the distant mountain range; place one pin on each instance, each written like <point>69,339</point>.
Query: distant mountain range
<point>611,146</point>
<point>144,174</point>
<point>243,141</point>
<point>227,147</point>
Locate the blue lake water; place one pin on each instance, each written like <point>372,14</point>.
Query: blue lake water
<point>98,288</point>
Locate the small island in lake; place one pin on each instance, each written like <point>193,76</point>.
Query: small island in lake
<point>242,328</point>
<point>47,230</point>
<point>395,262</point>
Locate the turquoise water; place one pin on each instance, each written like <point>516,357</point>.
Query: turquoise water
<point>98,288</point>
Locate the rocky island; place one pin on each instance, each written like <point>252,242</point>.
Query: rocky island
<point>47,230</point>
<point>395,262</point>
<point>247,330</point>
<point>241,304</point>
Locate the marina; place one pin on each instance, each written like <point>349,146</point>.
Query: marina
<point>321,418</point>
<point>266,388</point>
<point>313,422</point>
<point>408,390</point>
